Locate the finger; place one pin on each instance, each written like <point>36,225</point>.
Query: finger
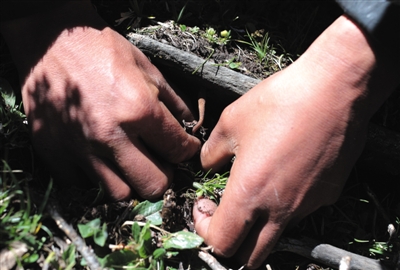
<point>175,104</point>
<point>101,169</point>
<point>141,170</point>
<point>259,243</point>
<point>227,228</point>
<point>167,138</point>
<point>218,150</point>
<point>202,209</point>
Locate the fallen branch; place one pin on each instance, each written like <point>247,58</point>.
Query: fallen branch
<point>187,63</point>
<point>84,250</point>
<point>328,255</point>
<point>210,261</point>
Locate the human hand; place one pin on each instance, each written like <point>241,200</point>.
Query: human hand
<point>295,137</point>
<point>95,104</point>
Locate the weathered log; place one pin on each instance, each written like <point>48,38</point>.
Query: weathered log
<point>189,65</point>
<point>328,255</point>
<point>382,149</point>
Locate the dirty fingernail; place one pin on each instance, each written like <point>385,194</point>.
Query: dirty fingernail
<point>203,208</point>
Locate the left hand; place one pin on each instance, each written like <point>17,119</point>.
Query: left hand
<point>97,108</point>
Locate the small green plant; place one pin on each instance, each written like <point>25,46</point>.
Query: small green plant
<point>13,128</point>
<point>212,188</point>
<point>262,48</point>
<point>149,210</point>
<point>194,30</point>
<point>141,252</point>
<point>21,228</point>
<point>211,35</point>
<point>381,248</point>
<point>69,256</point>
<point>231,64</point>
<point>376,248</point>
<point>136,253</point>
<point>95,230</point>
<point>225,37</point>
<point>67,260</point>
<point>182,27</point>
<point>180,16</point>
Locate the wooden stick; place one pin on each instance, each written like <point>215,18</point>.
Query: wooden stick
<point>80,244</point>
<point>327,254</point>
<point>210,261</point>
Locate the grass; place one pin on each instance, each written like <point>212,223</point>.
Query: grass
<point>30,239</point>
<point>211,188</point>
<point>21,227</point>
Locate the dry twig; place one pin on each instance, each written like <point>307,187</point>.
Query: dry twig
<point>210,261</point>
<point>327,254</point>
<point>85,251</point>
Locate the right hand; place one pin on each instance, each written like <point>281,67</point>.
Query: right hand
<point>95,104</point>
<point>295,137</point>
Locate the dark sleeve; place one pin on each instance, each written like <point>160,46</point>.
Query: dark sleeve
<point>15,9</point>
<point>379,19</point>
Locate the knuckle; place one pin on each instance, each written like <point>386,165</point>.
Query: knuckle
<point>227,113</point>
<point>155,189</point>
<point>120,194</point>
<point>222,250</point>
<point>178,153</point>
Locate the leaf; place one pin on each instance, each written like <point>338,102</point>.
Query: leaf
<point>147,208</point>
<point>145,241</point>
<point>159,253</point>
<point>7,93</point>
<point>183,240</point>
<point>32,258</point>
<point>118,258</point>
<point>69,256</point>
<point>155,218</point>
<point>136,232</point>
<point>90,228</point>
<point>171,254</point>
<point>100,236</point>
<point>234,65</point>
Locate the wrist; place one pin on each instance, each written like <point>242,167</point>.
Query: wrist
<point>350,70</point>
<point>380,21</point>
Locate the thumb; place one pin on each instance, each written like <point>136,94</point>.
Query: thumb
<point>203,209</point>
